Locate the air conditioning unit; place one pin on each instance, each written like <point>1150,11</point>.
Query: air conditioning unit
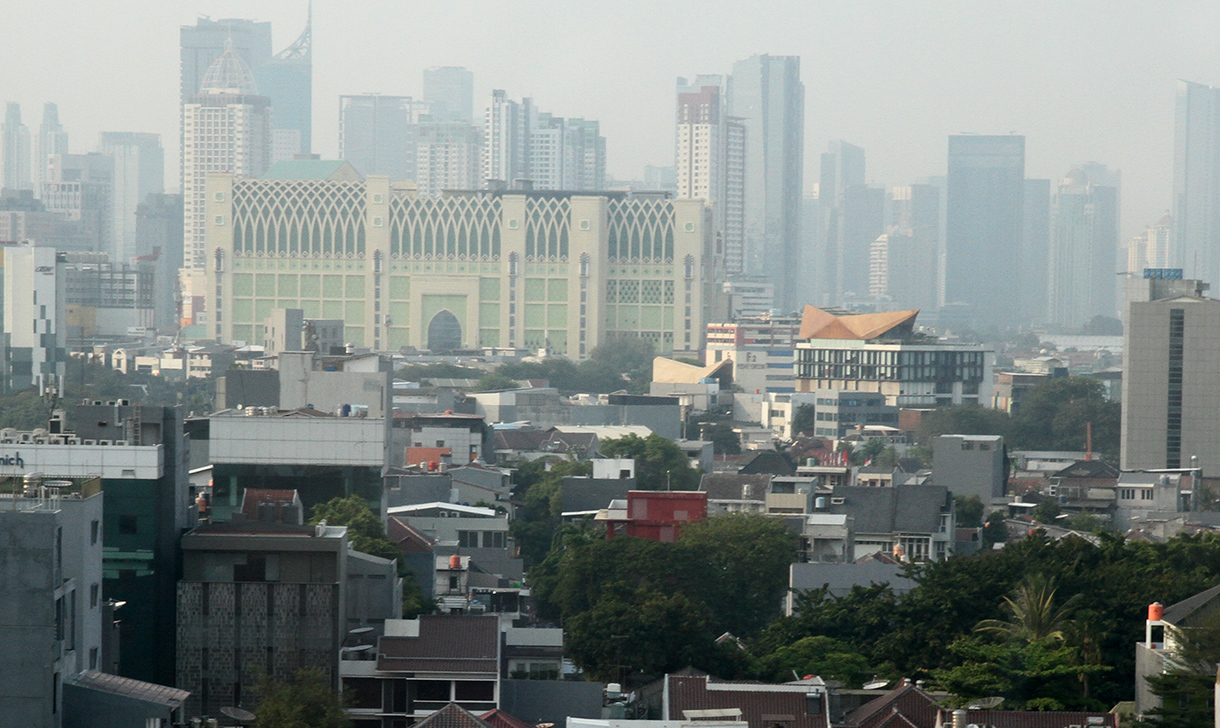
<point>838,501</point>
<point>104,442</point>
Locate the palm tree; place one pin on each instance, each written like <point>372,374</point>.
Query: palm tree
<point>1032,615</point>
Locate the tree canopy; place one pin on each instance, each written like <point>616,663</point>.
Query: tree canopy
<point>659,463</point>
<point>305,701</point>
<point>633,607</point>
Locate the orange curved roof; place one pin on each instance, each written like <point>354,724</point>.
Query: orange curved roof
<point>819,324</point>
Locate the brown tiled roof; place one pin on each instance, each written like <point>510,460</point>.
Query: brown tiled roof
<point>907,706</point>
<point>913,703</point>
<point>408,539</point>
<point>445,644</point>
<point>761,705</point>
<point>499,719</point>
<point>1036,719</point>
<point>451,716</point>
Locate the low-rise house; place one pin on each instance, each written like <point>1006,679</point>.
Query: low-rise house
<point>801,704</point>
<point>911,706</point>
<point>1155,654</point>
<point>839,579</point>
<point>422,665</point>
<point>915,520</point>
<point>655,515</point>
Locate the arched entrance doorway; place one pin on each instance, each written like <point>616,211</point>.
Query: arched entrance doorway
<point>444,333</point>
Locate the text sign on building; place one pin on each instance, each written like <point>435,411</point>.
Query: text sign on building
<point>13,460</point>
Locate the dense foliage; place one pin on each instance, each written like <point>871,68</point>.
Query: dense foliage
<point>621,365</point>
<point>1052,416</point>
<point>659,463</point>
<point>633,607</point>
<point>1084,660</point>
<point>306,701</point>
<point>366,534</point>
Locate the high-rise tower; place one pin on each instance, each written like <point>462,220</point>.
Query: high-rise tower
<point>1196,181</point>
<point>986,195</point>
<point>449,94</point>
<point>767,94</point>
<point>710,159</point>
<point>378,134</point>
<point>139,170</point>
<point>1084,246</point>
<point>285,78</point>
<point>226,129</point>
<point>52,139</point>
<point>14,150</point>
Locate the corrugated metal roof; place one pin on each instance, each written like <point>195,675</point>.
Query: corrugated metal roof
<point>761,705</point>
<point>136,689</point>
<point>445,644</point>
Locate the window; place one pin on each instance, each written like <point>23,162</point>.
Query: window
<point>1146,494</point>
<point>94,592</point>
<point>92,658</point>
<point>93,531</point>
<point>493,539</point>
<point>468,539</point>
<point>440,443</point>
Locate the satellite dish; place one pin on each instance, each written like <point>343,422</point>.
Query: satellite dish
<point>986,703</point>
<point>238,714</point>
<point>876,684</point>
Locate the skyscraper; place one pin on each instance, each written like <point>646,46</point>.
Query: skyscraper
<point>1035,251</point>
<point>1150,249</point>
<point>767,94</point>
<point>285,78</point>
<point>1084,247</point>
<point>1196,181</point>
<point>14,150</point>
<point>506,138</point>
<point>52,139</point>
<point>446,157</point>
<point>226,129</point>
<point>449,93</point>
<point>842,167</point>
<point>986,197</point>
<point>81,188</point>
<point>139,170</point>
<point>520,143</point>
<point>710,159</point>
<point>378,134</point>
<point>913,281</point>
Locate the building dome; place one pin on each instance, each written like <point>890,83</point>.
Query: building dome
<point>1075,178</point>
<point>228,74</point>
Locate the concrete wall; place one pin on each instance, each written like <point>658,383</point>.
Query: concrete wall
<point>31,658</point>
<point>373,592</point>
<point>967,472</point>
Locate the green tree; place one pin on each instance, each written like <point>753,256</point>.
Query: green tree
<point>659,463</point>
<point>803,419</point>
<point>365,531</point>
<point>964,420</point>
<point>493,382</point>
<point>1028,675</point>
<point>642,632</point>
<point>306,701</point>
<point>749,555</point>
<point>995,530</point>
<point>539,488</point>
<point>1031,613</point>
<point>822,656</point>
<point>868,451</point>
<point>1053,416</point>
<point>969,511</point>
<point>1045,512</point>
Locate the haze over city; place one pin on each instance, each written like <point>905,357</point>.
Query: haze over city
<point>1082,81</point>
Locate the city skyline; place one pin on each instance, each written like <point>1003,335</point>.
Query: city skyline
<point>1009,84</point>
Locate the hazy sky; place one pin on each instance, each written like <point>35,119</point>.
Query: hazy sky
<point>1082,80</point>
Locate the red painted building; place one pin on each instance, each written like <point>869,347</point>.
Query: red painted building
<point>655,514</point>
